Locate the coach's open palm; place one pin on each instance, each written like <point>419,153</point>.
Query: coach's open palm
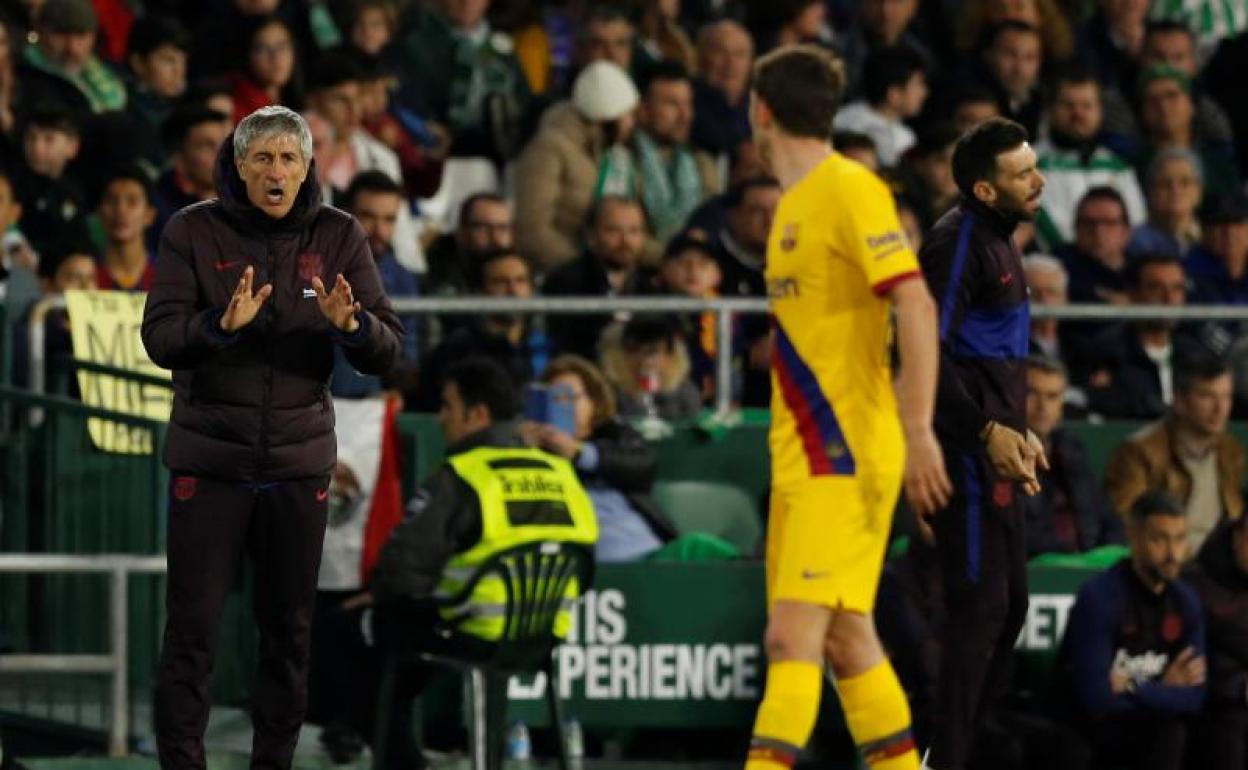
<point>339,306</point>
<point>244,305</point>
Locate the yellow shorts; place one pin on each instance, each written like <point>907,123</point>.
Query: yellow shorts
<point>826,538</point>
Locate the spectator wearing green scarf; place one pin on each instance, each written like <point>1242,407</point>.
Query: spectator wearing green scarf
<point>674,178</point>
<point>62,65</point>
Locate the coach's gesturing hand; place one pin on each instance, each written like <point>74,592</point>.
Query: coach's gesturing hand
<point>244,305</point>
<point>1013,456</point>
<point>339,306</point>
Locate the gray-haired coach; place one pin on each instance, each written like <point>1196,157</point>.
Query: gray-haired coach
<point>252,291</point>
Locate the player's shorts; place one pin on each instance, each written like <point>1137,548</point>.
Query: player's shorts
<point>826,538</point>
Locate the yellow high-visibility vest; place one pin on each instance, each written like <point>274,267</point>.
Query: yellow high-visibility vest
<point>526,495</point>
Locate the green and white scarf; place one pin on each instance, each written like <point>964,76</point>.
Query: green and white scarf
<point>617,176</point>
<point>103,90</point>
<point>669,191</point>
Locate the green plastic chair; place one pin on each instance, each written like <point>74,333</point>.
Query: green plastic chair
<point>722,510</point>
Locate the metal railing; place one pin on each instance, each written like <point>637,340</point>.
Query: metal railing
<point>725,310</point>
<point>115,662</point>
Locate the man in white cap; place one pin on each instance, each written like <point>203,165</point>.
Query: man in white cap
<point>578,155</point>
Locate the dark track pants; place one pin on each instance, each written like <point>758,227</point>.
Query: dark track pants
<point>212,523</point>
<point>979,563</point>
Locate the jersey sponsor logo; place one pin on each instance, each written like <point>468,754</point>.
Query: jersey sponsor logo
<point>783,288</point>
<point>1140,668</point>
<point>310,265</point>
<point>788,238</point>
<point>887,244</point>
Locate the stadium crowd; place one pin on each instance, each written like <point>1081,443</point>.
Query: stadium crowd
<point>567,148</point>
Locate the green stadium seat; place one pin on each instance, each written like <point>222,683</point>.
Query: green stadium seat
<point>715,508</point>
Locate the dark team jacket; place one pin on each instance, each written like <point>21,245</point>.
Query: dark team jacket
<point>1118,623</point>
<point>255,405</point>
<point>1223,590</point>
<point>975,274</point>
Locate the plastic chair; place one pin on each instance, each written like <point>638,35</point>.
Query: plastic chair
<point>535,576</point>
<point>717,509</point>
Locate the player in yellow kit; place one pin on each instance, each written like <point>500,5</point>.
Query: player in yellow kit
<point>837,264</point>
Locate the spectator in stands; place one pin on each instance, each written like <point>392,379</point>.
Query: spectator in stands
<point>1134,373</point>
<point>606,34</point>
<point>485,223</point>
<point>1074,160</point>
<point>1111,43</point>
<point>881,24</point>
<point>857,146</point>
<point>547,37</point>
<point>215,93</point>
<point>464,74</point>
<point>660,37</point>
<point>1133,657</point>
<point>613,461</point>
<point>192,134</point>
<point>268,75</point>
<point>736,225</point>
<point>1167,117</point>
<point>66,265</point>
<point>1175,185</point>
<point>1047,285</point>
<point>930,161</point>
<point>52,199</point>
<point>371,25</point>
<point>15,250</point>
<point>971,105</point>
<point>61,66</point>
<point>721,120</point>
<point>1171,42</point>
<point>610,267</point>
<point>126,212</point>
<point>334,94</point>
<point>455,523</point>
<point>578,155</point>
<point>894,88</point>
<point>787,22</point>
<point>673,177</point>
<point>646,363</point>
<point>1220,576</point>
<point>1045,15</point>
<point>690,269</point>
<point>157,52</point>
<point>1071,514</point>
<point>375,200</point>
<point>513,340</point>
<point>1097,260</point>
<point>421,153</point>
<point>1187,454</point>
<point>224,31</point>
<point>1218,266</point>
<point>1012,58</point>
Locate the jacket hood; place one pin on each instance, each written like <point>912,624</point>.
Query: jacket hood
<point>233,196</point>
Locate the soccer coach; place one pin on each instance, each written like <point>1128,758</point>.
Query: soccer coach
<point>975,274</point>
<point>251,440</point>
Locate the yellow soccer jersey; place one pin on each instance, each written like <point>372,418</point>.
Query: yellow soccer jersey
<point>836,248</point>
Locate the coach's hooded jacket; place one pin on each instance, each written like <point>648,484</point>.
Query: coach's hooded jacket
<point>255,405</point>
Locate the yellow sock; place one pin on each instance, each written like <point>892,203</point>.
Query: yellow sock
<point>787,714</point>
<point>879,718</point>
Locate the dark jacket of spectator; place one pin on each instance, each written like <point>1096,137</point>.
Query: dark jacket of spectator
<point>718,127</point>
<point>628,463</point>
<point>1071,514</point>
<point>1212,283</point>
<point>1149,460</point>
<point>1117,621</point>
<point>1133,390</point>
<point>586,277</point>
<point>52,209</point>
<point>475,339</point>
<point>1223,589</point>
<point>255,405</point>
